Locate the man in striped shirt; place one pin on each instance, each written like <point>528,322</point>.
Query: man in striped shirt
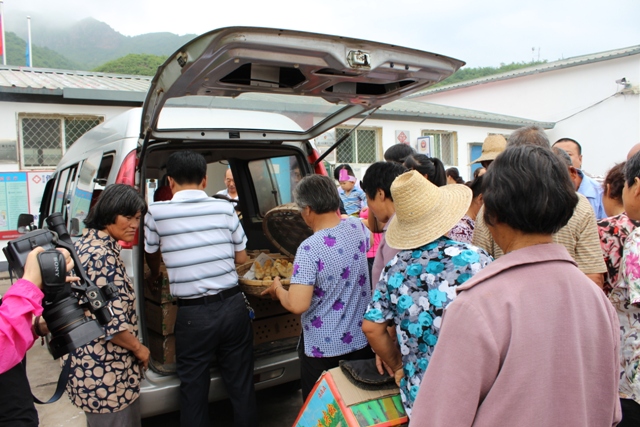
<point>201,240</point>
<point>580,235</point>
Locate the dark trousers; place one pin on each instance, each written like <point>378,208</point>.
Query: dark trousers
<point>374,281</point>
<point>311,368</point>
<point>16,402</point>
<point>222,328</point>
<point>630,413</point>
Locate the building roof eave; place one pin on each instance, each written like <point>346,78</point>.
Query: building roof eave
<point>538,69</point>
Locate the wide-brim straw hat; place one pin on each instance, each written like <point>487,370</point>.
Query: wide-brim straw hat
<point>424,212</point>
<point>491,147</point>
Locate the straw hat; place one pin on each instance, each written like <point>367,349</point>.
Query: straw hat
<point>491,147</point>
<point>424,212</point>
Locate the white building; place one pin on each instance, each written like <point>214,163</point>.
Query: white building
<point>593,99</point>
<point>44,111</point>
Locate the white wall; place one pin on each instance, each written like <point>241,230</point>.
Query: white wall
<point>9,118</point>
<point>606,131</point>
<point>466,135</point>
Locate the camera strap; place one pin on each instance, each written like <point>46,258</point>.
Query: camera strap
<point>62,383</point>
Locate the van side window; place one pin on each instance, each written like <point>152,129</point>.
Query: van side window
<point>274,180</point>
<point>104,169</point>
<point>63,191</point>
<point>88,187</point>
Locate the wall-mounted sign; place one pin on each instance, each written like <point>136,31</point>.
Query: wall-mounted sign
<point>424,145</point>
<point>327,139</point>
<point>402,137</point>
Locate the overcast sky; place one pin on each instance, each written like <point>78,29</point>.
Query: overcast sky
<point>482,33</point>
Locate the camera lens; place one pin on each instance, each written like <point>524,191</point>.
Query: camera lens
<point>69,327</point>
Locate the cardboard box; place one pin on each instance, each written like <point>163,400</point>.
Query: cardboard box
<point>162,348</point>
<point>161,318</point>
<point>163,293</point>
<point>276,328</point>
<point>335,401</point>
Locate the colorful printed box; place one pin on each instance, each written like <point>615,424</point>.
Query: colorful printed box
<point>336,402</point>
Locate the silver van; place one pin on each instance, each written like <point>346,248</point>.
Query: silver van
<point>248,99</point>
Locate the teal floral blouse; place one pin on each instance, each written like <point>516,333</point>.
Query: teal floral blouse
<point>415,288</point>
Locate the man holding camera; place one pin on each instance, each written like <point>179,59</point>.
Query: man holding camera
<point>22,301</point>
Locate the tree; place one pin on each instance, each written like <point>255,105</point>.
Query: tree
<point>465,74</point>
<point>135,63</point>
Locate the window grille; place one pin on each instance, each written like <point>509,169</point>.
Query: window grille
<point>44,139</point>
<point>444,146</point>
<point>74,128</point>
<point>360,147</point>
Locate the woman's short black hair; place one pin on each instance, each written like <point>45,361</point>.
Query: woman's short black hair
<point>116,199</point>
<point>632,169</point>
<point>336,171</point>
<point>318,192</point>
<point>615,181</point>
<point>398,152</point>
<point>380,175</point>
<point>430,166</point>
<point>528,188</point>
<point>454,173</point>
<point>186,167</point>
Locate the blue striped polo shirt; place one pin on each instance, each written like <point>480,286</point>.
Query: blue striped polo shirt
<point>198,236</point>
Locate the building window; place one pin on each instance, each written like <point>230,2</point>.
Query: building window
<point>362,146</point>
<point>45,138</point>
<point>443,146</point>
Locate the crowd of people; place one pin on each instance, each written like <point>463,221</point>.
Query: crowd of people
<point>511,299</point>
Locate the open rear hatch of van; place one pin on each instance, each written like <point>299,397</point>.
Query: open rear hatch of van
<point>315,81</point>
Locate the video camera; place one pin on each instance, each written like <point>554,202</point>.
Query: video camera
<point>64,303</point>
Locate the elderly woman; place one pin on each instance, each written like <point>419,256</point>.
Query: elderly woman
<point>421,280</point>
<point>330,283</point>
<point>105,379</point>
<point>530,340</point>
<point>625,297</point>
<point>616,227</point>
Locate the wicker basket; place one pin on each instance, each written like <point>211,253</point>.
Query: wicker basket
<point>255,287</point>
<point>285,228</point>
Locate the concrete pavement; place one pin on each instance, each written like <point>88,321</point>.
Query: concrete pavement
<point>277,407</point>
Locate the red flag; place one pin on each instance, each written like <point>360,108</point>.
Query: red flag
<point>1,35</point>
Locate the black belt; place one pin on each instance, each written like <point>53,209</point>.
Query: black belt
<point>208,299</point>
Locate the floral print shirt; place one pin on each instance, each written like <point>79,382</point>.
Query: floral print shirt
<point>463,230</point>
<point>106,377</point>
<point>334,262</point>
<point>416,287</point>
<point>613,233</point>
<point>625,297</point>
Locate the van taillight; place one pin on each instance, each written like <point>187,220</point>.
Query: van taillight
<point>127,172</point>
<point>134,242</point>
<point>320,169</point>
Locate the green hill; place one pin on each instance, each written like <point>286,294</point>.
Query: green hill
<point>91,43</point>
<point>134,63</point>
<point>41,56</point>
